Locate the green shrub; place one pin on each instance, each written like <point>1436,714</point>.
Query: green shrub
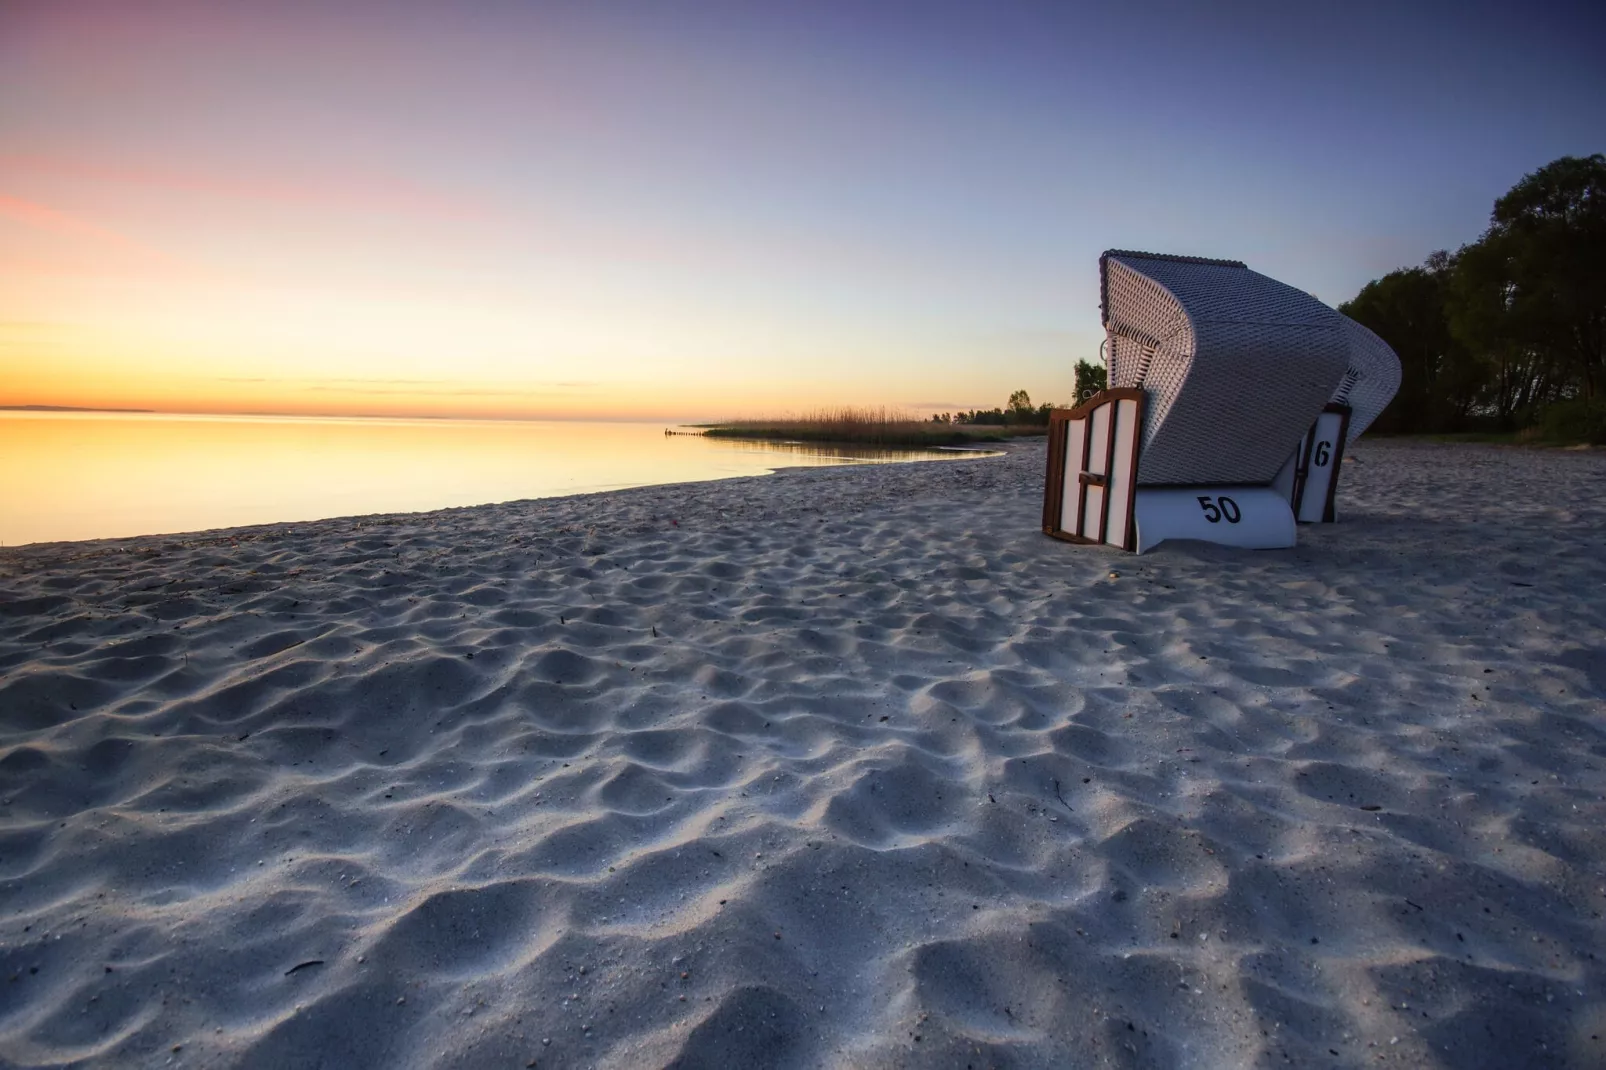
<point>1575,420</point>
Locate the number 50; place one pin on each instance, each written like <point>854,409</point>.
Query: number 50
<point>1222,508</point>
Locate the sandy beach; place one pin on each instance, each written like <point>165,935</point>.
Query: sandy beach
<point>836,767</point>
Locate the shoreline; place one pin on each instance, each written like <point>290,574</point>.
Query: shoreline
<point>831,766</point>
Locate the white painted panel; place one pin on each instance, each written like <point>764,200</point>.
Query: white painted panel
<point>1099,429</point>
<point>1090,517</point>
<point>1263,519</point>
<point>1323,468</point>
<point>1123,471</point>
<point>1075,430</point>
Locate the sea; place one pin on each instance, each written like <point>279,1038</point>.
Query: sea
<point>93,475</point>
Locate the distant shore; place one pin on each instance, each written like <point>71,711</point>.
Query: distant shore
<point>912,434</point>
<point>867,426</point>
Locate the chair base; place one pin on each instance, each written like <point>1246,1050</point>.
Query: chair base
<point>1252,517</point>
<point>1091,494</point>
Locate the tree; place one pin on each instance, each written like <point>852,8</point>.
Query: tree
<point>1438,378</point>
<point>1020,409</point>
<point>1513,323</point>
<point>1509,376</point>
<point>988,417</point>
<point>1549,235</point>
<point>1090,379</point>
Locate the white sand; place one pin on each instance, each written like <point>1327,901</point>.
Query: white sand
<point>836,767</point>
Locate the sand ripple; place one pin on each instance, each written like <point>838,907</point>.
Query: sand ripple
<point>837,767</point>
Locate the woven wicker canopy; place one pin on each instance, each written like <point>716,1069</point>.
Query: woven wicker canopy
<point>1235,365</point>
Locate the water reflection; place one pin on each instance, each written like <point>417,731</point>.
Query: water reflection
<point>825,453</point>
<point>97,475</point>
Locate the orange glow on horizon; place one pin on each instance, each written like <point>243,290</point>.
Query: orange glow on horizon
<point>92,318</point>
<point>110,386</point>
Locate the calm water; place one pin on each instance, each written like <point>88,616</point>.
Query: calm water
<point>98,475</point>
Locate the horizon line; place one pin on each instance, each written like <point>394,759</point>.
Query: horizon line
<point>683,421</point>
<point>71,409</point>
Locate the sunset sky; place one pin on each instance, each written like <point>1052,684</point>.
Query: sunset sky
<point>698,210</point>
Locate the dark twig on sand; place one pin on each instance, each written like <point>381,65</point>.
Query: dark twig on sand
<point>1060,797</point>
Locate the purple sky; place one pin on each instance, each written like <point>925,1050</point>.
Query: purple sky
<point>699,209</point>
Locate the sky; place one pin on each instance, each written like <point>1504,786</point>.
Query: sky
<point>707,210</point>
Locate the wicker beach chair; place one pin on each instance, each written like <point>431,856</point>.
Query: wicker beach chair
<point>1309,479</point>
<point>1371,380</point>
<point>1218,376</point>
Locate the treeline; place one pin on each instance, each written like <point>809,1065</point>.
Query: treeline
<point>1508,333</point>
<point>1017,412</point>
<point>1020,412</point>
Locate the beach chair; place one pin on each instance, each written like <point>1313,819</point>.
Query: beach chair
<point>1309,479</point>
<point>1217,375</point>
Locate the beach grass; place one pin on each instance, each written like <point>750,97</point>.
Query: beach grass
<point>878,426</point>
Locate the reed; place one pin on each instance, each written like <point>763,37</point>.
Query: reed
<point>879,426</point>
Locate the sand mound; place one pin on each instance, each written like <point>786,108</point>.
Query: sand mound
<point>836,767</point>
